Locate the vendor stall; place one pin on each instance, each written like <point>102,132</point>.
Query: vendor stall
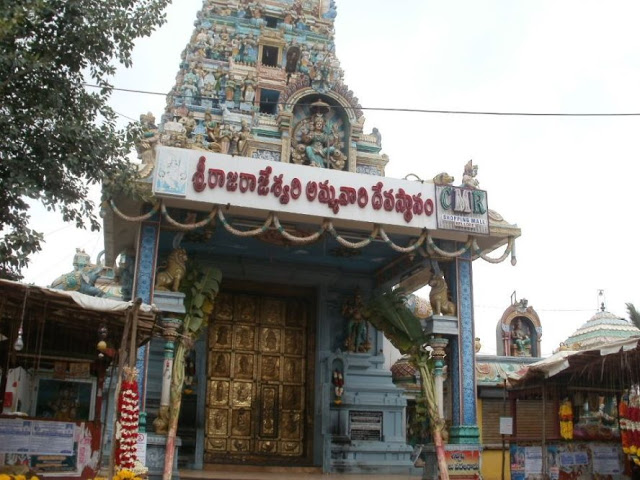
<point>55,350</point>
<point>583,421</point>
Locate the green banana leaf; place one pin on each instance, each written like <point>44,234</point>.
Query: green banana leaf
<point>389,313</point>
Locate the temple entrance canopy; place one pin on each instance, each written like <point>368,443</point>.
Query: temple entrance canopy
<point>261,168</point>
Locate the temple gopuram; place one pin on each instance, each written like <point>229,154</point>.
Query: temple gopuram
<point>261,168</point>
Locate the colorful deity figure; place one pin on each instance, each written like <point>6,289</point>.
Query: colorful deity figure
<point>189,123</point>
<point>243,137</point>
<point>224,138</point>
<point>146,144</point>
<point>212,130</point>
<point>332,11</point>
<point>249,50</point>
<point>189,87</point>
<point>322,143</point>
<point>210,84</point>
<point>354,311</point>
<point>249,90</point>
<point>230,88</point>
<point>83,277</point>
<point>469,175</point>
<point>520,339</point>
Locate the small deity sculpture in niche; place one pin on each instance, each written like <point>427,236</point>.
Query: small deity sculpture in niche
<point>291,398</point>
<point>220,393</point>
<point>291,371</point>
<point>244,134</point>
<point>221,364</point>
<point>218,421</point>
<point>271,341</point>
<point>222,335</point>
<point>244,338</point>
<point>469,175</point>
<point>244,366</point>
<point>357,332</point>
<point>230,88</point>
<point>243,393</point>
<point>224,307</point>
<point>272,312</point>
<point>247,310</point>
<point>322,143</point>
<point>270,367</point>
<point>249,90</point>
<point>189,123</point>
<point>520,339</point>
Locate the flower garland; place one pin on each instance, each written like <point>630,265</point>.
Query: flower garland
<point>127,424</point>
<point>327,225</point>
<point>6,476</point>
<point>566,419</point>
<point>338,382</point>
<point>629,414</point>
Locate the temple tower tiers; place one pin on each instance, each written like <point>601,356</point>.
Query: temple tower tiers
<point>262,80</point>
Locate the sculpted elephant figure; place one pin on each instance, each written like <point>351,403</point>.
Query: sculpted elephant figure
<point>82,280</point>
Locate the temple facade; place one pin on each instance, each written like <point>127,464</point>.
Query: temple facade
<point>261,168</point>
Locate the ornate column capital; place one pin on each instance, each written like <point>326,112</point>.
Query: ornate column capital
<point>438,344</point>
<point>170,327</point>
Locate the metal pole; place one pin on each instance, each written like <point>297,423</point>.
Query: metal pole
<point>544,429</point>
<point>504,414</point>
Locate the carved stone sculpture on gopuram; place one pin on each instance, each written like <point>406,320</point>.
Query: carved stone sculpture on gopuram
<point>261,79</point>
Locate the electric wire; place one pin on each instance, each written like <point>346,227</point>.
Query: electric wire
<point>410,110</point>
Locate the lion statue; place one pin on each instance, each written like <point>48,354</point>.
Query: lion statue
<point>170,278</point>
<point>443,178</point>
<point>439,296</point>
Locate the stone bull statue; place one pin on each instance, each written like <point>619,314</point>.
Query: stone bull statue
<point>83,277</point>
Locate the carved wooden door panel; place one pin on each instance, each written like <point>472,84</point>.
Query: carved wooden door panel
<point>258,404</point>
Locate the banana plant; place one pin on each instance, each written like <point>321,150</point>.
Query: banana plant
<point>388,312</point>
<point>200,288</point>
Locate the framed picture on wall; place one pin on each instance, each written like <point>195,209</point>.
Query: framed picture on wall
<point>67,400</point>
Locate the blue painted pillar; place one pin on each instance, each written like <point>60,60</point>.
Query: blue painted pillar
<point>465,421</point>
<point>146,256</point>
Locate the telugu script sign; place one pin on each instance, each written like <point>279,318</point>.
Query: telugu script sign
<point>36,437</point>
<point>214,178</point>
<point>464,463</point>
<point>365,425</point>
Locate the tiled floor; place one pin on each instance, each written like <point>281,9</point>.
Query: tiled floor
<point>231,473</point>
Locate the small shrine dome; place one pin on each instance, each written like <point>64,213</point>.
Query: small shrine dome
<point>405,375</point>
<point>600,329</point>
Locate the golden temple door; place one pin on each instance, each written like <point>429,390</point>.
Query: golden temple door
<point>259,379</point>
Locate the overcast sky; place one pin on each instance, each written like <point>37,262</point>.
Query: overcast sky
<point>570,183</point>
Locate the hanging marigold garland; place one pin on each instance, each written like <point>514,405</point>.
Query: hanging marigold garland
<point>127,424</point>
<point>566,419</point>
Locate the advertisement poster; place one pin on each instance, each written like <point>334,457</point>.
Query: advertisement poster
<point>532,461</point>
<point>52,438</point>
<point>15,435</point>
<point>568,461</point>
<point>606,459</point>
<point>517,462</point>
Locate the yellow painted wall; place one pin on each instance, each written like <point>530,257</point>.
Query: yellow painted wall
<point>491,463</point>
<point>492,459</point>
